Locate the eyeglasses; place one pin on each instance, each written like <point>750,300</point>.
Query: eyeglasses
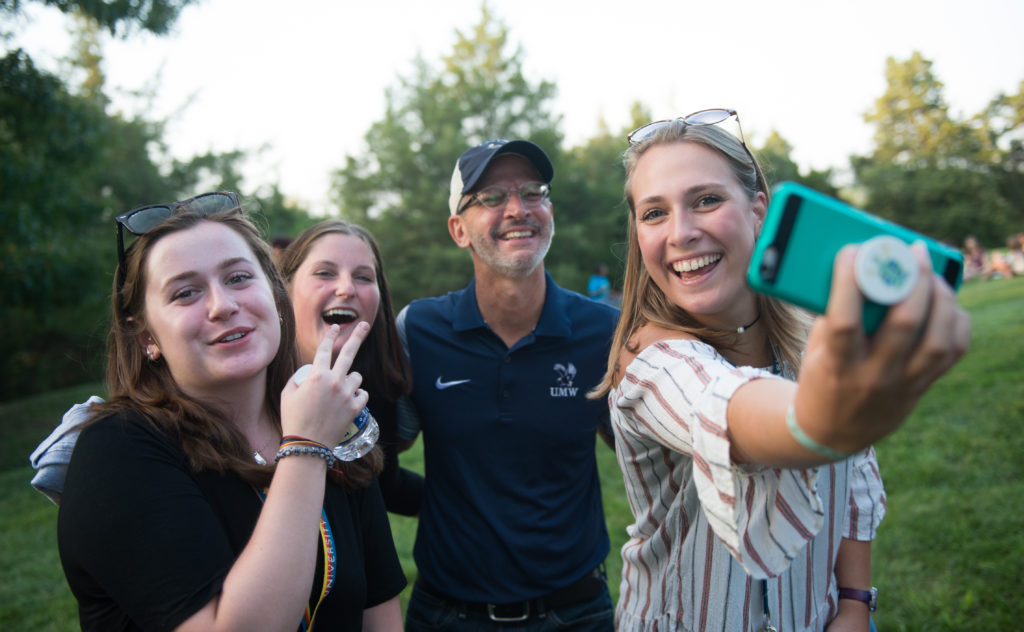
<point>530,193</point>
<point>143,219</point>
<point>712,116</point>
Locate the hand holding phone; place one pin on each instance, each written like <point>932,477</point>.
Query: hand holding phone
<point>803,231</point>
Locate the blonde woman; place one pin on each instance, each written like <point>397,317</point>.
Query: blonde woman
<point>748,465</point>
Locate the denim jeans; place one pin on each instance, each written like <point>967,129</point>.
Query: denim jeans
<point>426,612</point>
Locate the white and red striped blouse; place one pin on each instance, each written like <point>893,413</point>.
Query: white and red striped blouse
<point>708,530</point>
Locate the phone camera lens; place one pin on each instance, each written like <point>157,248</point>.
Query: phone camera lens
<point>769,264</point>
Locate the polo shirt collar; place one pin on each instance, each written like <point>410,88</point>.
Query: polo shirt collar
<point>554,321</point>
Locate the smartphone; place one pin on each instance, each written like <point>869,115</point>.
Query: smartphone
<point>803,231</point>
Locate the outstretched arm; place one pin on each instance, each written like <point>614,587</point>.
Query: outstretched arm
<point>852,390</point>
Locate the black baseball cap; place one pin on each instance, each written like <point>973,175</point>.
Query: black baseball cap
<point>474,161</point>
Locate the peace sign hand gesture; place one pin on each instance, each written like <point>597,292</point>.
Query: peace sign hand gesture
<point>322,405</point>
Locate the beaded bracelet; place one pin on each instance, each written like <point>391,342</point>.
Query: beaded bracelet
<point>801,437</point>
<point>291,446</point>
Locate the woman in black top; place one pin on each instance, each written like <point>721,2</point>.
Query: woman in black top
<point>169,521</point>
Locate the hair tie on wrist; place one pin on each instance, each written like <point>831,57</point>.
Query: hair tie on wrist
<point>297,439</point>
<point>801,437</point>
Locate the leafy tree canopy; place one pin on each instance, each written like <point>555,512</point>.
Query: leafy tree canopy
<point>399,188</point>
<point>117,16</point>
<point>67,167</point>
<point>941,176</point>
<point>775,158</point>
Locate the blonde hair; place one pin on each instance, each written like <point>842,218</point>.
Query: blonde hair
<point>644,303</point>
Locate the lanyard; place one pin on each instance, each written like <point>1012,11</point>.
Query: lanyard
<point>330,561</point>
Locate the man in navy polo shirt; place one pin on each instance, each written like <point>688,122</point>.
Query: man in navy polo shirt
<point>511,529</point>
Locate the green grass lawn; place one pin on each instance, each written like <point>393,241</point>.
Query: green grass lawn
<point>949,555</point>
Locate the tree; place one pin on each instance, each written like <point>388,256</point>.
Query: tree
<point>913,124</point>
<point>775,158</point>
<point>928,171</point>
<point>155,16</point>
<point>87,60</point>
<point>399,188</point>
<point>590,208</point>
<point>67,167</point>
<point>1004,121</point>
<point>281,216</point>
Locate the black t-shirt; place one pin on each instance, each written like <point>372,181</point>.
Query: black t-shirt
<point>146,541</point>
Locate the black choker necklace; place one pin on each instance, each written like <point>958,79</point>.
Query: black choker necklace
<point>740,330</point>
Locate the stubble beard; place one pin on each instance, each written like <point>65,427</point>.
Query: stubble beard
<point>511,267</point>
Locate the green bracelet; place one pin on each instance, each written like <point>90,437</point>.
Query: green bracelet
<point>807,442</point>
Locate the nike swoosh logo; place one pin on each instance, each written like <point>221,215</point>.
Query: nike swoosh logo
<point>443,385</point>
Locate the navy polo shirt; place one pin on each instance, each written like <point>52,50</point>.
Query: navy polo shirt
<point>512,502</point>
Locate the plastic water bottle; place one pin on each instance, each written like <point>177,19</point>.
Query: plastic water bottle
<point>359,438</point>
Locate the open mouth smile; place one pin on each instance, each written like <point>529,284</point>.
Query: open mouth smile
<point>517,234</point>
<point>339,316</point>
<point>694,266</point>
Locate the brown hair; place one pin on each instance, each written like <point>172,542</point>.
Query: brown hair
<point>380,359</point>
<point>643,301</point>
<point>137,384</point>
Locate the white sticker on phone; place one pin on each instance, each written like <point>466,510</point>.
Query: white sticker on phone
<point>886,269</point>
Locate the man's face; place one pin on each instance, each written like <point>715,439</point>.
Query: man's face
<point>511,239</point>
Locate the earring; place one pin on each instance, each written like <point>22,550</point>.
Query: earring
<point>153,353</point>
<point>280,318</point>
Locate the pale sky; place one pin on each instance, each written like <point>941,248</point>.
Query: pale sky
<point>308,77</point>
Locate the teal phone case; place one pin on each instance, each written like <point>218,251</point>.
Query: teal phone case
<point>802,232</point>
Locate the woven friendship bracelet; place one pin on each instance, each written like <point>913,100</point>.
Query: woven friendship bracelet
<point>807,442</point>
<point>318,450</point>
<point>296,440</point>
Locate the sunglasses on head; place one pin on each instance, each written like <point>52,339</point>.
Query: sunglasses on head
<point>143,219</point>
<point>711,116</point>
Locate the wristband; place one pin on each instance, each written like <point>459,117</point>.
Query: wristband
<point>801,437</point>
<point>870,597</point>
<point>291,446</point>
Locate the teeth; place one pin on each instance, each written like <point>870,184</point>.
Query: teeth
<point>231,338</point>
<point>690,265</point>
<point>340,312</point>
<point>339,316</point>
<point>518,234</point>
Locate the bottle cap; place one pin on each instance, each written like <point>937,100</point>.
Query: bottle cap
<point>886,269</point>
<point>300,374</point>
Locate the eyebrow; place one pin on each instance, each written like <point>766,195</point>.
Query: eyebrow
<point>190,274</point>
<point>357,267</point>
<point>690,192</point>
